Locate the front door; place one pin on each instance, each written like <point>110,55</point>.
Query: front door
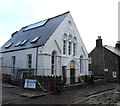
<point>64,74</point>
<point>72,75</point>
<point>72,72</point>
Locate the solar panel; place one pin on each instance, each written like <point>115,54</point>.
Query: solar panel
<point>38,24</point>
<point>7,46</point>
<point>35,39</point>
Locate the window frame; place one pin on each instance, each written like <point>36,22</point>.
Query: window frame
<point>81,64</point>
<point>53,62</point>
<point>69,48</point>
<point>29,61</point>
<point>74,49</point>
<point>13,63</point>
<point>64,46</point>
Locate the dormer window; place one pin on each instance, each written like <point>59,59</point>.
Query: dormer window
<point>23,42</point>
<point>7,46</point>
<point>35,39</point>
<point>18,43</point>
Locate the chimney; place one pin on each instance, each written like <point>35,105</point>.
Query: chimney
<point>99,42</point>
<point>118,44</point>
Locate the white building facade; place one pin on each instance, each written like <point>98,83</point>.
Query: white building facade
<point>62,53</point>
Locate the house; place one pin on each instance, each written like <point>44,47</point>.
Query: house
<point>50,47</point>
<point>106,61</point>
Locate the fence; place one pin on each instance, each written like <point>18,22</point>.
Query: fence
<point>16,76</point>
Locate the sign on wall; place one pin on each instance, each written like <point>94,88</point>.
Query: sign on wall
<point>114,74</point>
<point>30,83</point>
<point>89,61</point>
<point>105,70</point>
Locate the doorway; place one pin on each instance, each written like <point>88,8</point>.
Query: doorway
<point>72,72</point>
<point>64,74</point>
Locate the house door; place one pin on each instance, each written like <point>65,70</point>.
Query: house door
<point>64,74</point>
<point>72,72</point>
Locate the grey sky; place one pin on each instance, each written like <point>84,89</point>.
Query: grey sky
<point>92,17</point>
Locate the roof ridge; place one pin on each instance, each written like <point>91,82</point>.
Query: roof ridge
<point>112,49</point>
<point>60,15</point>
<point>109,46</point>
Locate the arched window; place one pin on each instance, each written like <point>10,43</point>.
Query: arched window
<point>64,46</point>
<point>74,46</point>
<point>81,64</point>
<point>74,49</point>
<point>53,62</point>
<point>65,43</point>
<point>69,48</point>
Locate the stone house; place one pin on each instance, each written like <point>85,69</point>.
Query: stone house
<point>105,61</point>
<point>52,47</point>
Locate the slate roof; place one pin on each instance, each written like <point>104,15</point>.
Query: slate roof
<point>26,33</point>
<point>113,49</point>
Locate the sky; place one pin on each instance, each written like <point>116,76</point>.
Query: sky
<point>93,18</point>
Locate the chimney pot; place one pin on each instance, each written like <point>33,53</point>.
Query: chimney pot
<point>118,44</point>
<point>99,37</point>
<point>99,42</point>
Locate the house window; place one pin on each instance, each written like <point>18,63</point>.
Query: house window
<point>13,63</point>
<point>35,39</point>
<point>23,42</point>
<point>53,62</point>
<point>69,48</point>
<point>64,46</point>
<point>7,46</point>
<point>74,49</point>
<point>1,61</point>
<point>29,58</point>
<point>81,64</point>
<point>35,25</point>
<point>114,73</point>
<point>89,61</point>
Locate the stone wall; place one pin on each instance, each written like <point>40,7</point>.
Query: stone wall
<point>102,59</point>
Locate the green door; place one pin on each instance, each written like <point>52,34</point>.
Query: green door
<point>64,74</point>
<point>72,75</point>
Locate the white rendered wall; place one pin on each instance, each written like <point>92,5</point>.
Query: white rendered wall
<point>55,43</point>
<point>21,59</point>
<point>65,60</point>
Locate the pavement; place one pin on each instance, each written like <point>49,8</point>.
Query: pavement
<point>11,95</point>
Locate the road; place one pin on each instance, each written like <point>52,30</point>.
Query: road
<point>95,94</point>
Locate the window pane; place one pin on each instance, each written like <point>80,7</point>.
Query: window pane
<point>69,48</point>
<point>64,47</point>
<point>29,57</point>
<point>74,49</point>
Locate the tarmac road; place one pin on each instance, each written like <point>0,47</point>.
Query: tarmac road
<point>96,94</point>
